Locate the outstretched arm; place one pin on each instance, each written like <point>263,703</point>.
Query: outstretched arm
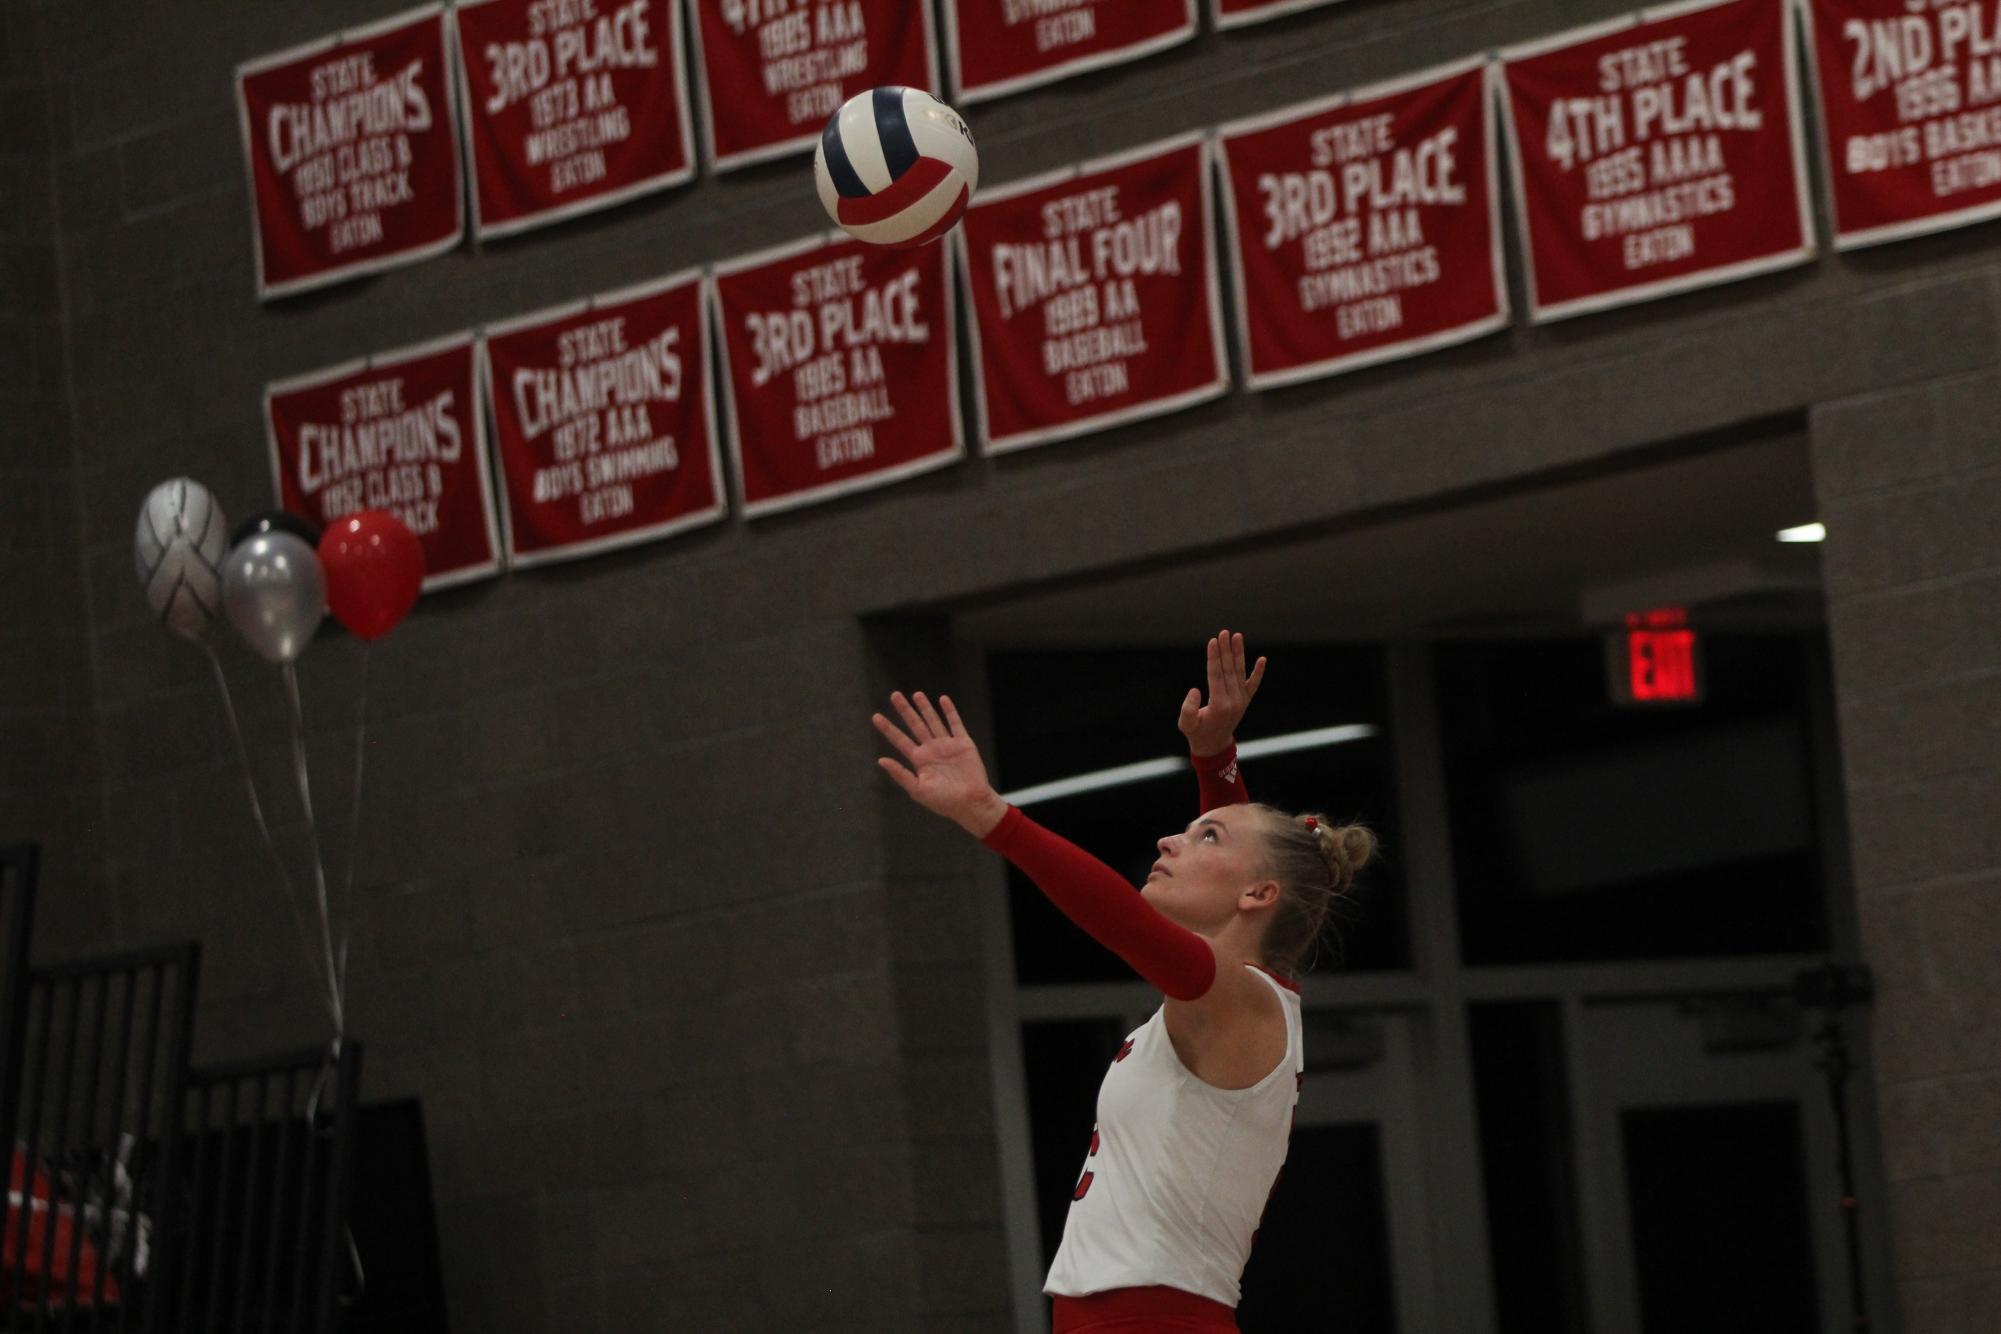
<point>1098,899</point>
<point>946,776</point>
<point>1211,728</point>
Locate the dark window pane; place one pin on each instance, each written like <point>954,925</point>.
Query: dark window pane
<point>1062,714</point>
<point>1520,1087</point>
<point>1065,1061</point>
<point>1322,1258</point>
<point>1585,830</point>
<point>1720,1231</point>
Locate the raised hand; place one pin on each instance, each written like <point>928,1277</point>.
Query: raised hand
<point>1211,728</point>
<point>945,775</point>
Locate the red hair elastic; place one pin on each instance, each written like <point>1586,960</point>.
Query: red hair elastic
<point>1312,825</point>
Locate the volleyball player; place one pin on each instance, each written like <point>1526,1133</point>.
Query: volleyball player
<point>1196,1110</point>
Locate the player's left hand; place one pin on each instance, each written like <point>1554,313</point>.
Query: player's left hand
<point>1211,728</point>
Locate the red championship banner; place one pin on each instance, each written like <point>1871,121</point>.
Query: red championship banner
<point>352,154</point>
<point>570,106</point>
<point>1003,46</point>
<point>1656,154</point>
<point>603,422</point>
<point>1910,113</point>
<point>841,368</point>
<point>1094,296</point>
<point>401,432</point>
<point>774,70</point>
<point>1243,13</point>
<point>1365,227</point>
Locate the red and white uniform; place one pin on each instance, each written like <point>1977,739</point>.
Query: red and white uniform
<point>1162,1217</point>
<point>1179,1170</point>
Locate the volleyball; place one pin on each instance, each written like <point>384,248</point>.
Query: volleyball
<point>178,549</point>
<point>896,167</point>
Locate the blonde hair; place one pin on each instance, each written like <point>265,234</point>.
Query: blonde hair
<point>1315,862</point>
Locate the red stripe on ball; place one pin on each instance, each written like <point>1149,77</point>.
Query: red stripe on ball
<point>922,177</point>
<point>936,229</point>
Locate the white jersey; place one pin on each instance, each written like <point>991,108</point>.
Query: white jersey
<point>1179,1170</point>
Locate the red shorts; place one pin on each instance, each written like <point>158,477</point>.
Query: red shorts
<point>1140,1311</point>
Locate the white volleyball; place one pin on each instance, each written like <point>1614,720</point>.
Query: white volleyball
<point>178,549</point>
<point>896,167</point>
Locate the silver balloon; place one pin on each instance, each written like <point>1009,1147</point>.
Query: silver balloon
<point>275,593</point>
<point>177,548</point>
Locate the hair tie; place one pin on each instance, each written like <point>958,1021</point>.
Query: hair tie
<point>1312,826</point>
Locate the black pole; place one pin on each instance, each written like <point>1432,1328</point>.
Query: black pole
<point>1831,989</point>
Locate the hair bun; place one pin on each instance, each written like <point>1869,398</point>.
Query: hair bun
<point>1346,849</point>
<point>1358,847</point>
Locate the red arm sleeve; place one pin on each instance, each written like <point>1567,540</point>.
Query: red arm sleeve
<point>1222,784</point>
<point>1098,899</point>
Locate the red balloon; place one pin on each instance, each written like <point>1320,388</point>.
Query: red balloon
<point>375,569</point>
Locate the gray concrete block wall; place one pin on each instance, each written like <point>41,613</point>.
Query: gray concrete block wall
<point>1910,488</point>
<point>687,991</point>
<point>48,787</point>
<point>939,969</point>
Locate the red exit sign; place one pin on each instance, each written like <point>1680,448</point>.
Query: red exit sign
<point>1656,660</point>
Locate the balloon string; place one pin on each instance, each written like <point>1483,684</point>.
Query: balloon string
<point>291,895</point>
<point>313,833</point>
<point>353,826</point>
<point>327,1064</point>
<point>328,1067</point>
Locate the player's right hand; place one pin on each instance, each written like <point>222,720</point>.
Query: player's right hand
<point>944,772</point>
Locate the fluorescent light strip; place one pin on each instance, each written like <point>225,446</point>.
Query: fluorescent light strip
<point>1319,736</point>
<point>1091,782</point>
<point>1806,532</point>
<point>1145,769</point>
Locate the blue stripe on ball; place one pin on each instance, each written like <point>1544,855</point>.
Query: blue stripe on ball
<point>899,150</point>
<point>839,170</point>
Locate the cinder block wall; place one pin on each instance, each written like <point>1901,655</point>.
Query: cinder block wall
<point>1910,482</point>
<point>689,996</point>
<point>48,738</point>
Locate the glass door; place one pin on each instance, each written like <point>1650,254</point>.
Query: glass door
<point>1344,1242</point>
<point>1705,1154</point>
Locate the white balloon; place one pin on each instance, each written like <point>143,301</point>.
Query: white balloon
<point>275,594</point>
<point>178,550</point>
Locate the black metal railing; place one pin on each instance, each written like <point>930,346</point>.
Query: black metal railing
<point>99,1070</point>
<point>260,1234</point>
<point>146,1195</point>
